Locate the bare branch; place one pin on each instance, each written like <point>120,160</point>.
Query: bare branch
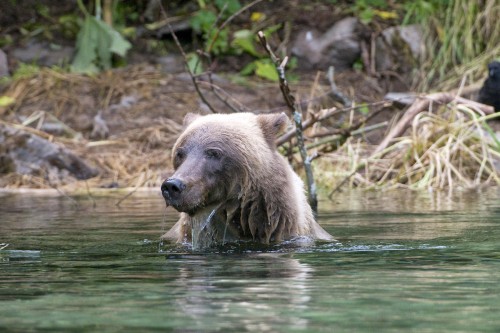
<point>337,94</point>
<point>327,114</point>
<point>229,19</point>
<point>297,117</point>
<point>226,98</point>
<point>186,63</point>
<point>208,50</point>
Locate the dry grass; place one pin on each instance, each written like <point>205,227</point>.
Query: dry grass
<point>136,152</point>
<point>451,148</point>
<point>461,40</point>
<point>445,148</point>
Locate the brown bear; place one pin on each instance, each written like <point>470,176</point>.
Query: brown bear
<point>231,184</point>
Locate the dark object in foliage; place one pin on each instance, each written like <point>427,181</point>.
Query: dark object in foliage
<point>490,92</point>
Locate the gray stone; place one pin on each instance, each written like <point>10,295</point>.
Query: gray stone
<point>29,154</point>
<point>172,64</point>
<point>338,47</point>
<point>4,65</point>
<point>402,98</point>
<point>399,48</point>
<point>44,54</point>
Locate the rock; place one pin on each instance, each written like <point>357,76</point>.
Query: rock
<point>399,48</point>
<point>29,154</point>
<point>4,65</point>
<point>172,64</point>
<point>44,54</point>
<point>338,47</point>
<point>401,98</point>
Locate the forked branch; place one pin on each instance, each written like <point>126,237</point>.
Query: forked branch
<point>297,117</point>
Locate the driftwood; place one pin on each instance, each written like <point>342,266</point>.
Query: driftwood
<point>29,154</point>
<point>423,103</point>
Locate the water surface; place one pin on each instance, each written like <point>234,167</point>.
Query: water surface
<point>406,262</point>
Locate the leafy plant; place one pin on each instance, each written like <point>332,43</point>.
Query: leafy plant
<point>194,63</point>
<point>366,10</point>
<point>244,40</point>
<point>263,68</point>
<point>205,22</point>
<point>222,42</point>
<point>25,71</point>
<point>96,43</point>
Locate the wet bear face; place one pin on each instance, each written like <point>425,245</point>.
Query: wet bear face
<point>205,173</point>
<point>214,156</point>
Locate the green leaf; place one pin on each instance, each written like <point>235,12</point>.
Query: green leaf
<point>364,109</point>
<point>194,64</point>
<point>25,71</point>
<point>219,42</point>
<point>96,42</point>
<point>6,101</point>
<point>203,21</point>
<point>266,70</point>
<point>244,39</point>
<point>202,3</point>
<point>271,30</point>
<point>232,6</point>
<point>366,16</point>
<point>249,69</point>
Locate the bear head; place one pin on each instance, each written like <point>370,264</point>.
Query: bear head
<point>218,156</point>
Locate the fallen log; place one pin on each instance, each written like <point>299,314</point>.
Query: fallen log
<point>29,154</point>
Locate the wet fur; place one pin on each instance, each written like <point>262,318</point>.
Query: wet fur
<point>252,188</point>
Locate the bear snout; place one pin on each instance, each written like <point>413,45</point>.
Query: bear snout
<point>171,189</point>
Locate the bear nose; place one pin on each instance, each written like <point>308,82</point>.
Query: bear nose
<point>172,188</point>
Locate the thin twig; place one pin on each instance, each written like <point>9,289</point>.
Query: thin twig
<point>186,63</point>
<point>328,113</point>
<point>218,91</point>
<point>297,117</point>
<point>89,193</point>
<point>358,167</point>
<point>208,50</point>
<point>337,94</point>
<point>229,19</point>
<point>342,135</point>
<point>139,185</point>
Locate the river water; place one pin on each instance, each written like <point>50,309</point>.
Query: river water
<point>405,262</point>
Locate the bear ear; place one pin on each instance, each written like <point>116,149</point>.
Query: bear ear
<point>271,125</point>
<point>189,118</point>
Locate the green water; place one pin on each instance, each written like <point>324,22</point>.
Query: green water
<point>405,263</point>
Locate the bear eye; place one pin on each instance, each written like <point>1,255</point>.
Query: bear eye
<point>179,154</point>
<point>213,153</point>
<point>178,157</point>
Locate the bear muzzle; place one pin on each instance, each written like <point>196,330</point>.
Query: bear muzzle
<point>171,190</point>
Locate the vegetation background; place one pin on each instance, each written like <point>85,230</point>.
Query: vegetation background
<point>107,80</point>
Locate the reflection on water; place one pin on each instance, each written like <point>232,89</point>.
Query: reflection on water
<point>405,262</point>
<point>256,294</point>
